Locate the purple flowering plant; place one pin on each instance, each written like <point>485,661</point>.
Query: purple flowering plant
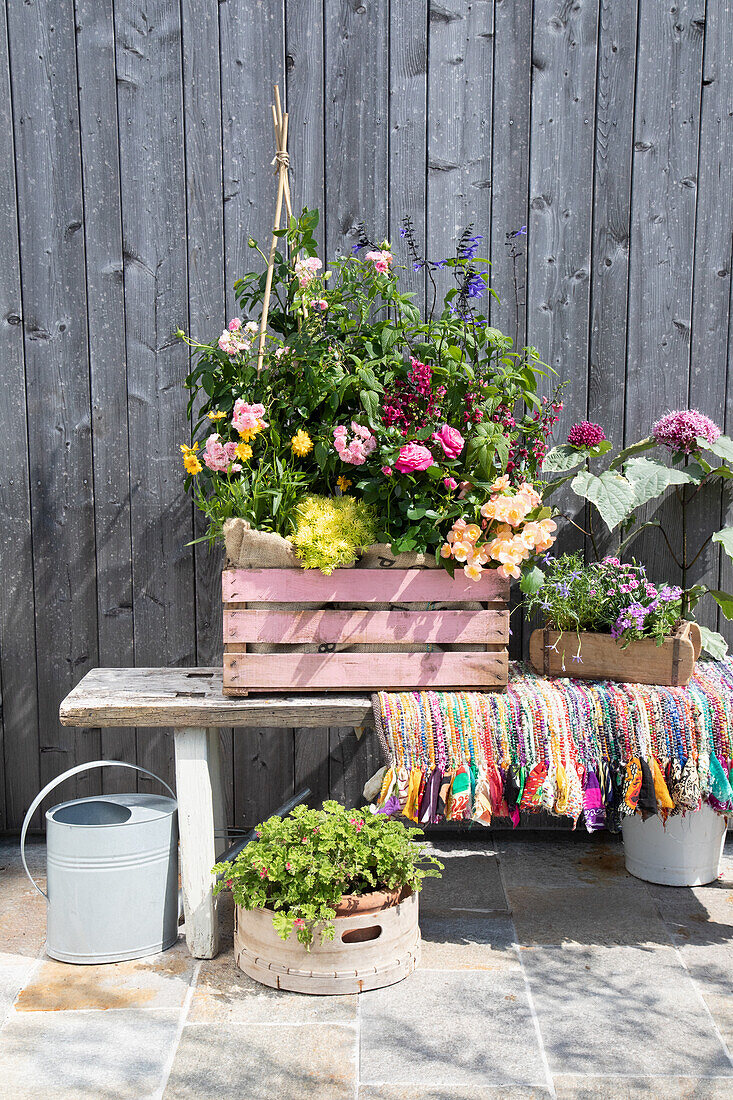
<point>684,454</point>
<point>606,597</point>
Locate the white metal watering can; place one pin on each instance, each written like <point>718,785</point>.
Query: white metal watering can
<point>112,872</point>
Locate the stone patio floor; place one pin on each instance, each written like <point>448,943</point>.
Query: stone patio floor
<point>547,970</point>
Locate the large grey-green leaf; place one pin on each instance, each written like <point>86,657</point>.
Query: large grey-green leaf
<point>634,449</point>
<point>713,643</point>
<point>725,538</point>
<point>532,580</point>
<point>562,458</point>
<point>724,600</point>
<point>612,494</point>
<point>651,478</point>
<point>722,447</point>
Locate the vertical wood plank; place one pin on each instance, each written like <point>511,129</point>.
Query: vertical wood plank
<point>664,183</point>
<point>510,162</point>
<point>311,750</point>
<point>459,125</point>
<point>304,35</point>
<point>663,210</point>
<point>611,216</point>
<point>352,761</point>
<point>561,174</point>
<point>264,773</point>
<point>408,122</point>
<point>95,56</point>
<point>51,220</point>
<point>206,290</point>
<point>709,377</point>
<point>19,761</point>
<point>357,120</point>
<point>150,105</point>
<point>251,43</point>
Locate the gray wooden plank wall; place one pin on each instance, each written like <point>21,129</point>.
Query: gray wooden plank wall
<point>136,140</point>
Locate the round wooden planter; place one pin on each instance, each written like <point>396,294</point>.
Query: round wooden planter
<point>376,943</point>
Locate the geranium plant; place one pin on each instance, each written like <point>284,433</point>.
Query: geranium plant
<point>300,866</point>
<point>684,453</point>
<point>607,597</point>
<point>419,417</point>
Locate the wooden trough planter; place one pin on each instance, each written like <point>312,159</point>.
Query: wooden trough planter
<point>376,943</point>
<point>324,616</point>
<point>603,658</point>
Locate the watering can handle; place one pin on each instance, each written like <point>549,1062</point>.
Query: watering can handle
<point>59,779</point>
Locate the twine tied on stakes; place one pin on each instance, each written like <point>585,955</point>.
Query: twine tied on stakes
<point>281,163</point>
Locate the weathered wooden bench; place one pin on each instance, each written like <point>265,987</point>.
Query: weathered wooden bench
<point>191,702</point>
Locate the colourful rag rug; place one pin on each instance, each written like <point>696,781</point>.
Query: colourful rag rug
<point>574,748</point>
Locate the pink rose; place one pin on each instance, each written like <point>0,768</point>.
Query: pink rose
<point>235,324</point>
<point>387,471</point>
<point>248,418</point>
<point>413,457</point>
<point>218,457</point>
<point>450,440</point>
<point>450,483</point>
<point>381,260</point>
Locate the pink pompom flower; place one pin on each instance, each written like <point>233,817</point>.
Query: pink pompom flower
<point>381,259</point>
<point>586,434</point>
<point>412,458</point>
<point>220,457</point>
<point>356,450</point>
<point>248,418</point>
<point>680,430</point>
<point>306,269</point>
<point>450,440</point>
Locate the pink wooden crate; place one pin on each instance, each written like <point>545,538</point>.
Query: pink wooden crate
<point>247,622</point>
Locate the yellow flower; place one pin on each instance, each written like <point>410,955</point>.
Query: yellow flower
<point>186,450</point>
<point>248,434</point>
<point>343,483</point>
<point>301,443</point>
<point>192,464</point>
<point>244,451</point>
<point>216,415</point>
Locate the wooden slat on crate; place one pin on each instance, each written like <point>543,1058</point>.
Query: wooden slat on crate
<point>644,662</point>
<point>352,627</point>
<point>372,671</point>
<point>358,586</point>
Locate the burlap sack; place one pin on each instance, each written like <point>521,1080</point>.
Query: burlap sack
<point>250,549</point>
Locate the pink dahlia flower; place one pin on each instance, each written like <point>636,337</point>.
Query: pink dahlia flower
<point>586,434</point>
<point>680,430</point>
<point>413,457</point>
<point>450,440</point>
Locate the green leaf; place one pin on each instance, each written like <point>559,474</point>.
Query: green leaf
<point>651,478</point>
<point>612,494</point>
<point>725,538</point>
<point>713,643</point>
<point>563,458</point>
<point>724,600</point>
<point>550,487</point>
<point>722,447</point>
<point>635,449</point>
<point>370,402</point>
<point>532,580</point>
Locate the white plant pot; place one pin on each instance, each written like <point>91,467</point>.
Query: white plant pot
<point>685,853</point>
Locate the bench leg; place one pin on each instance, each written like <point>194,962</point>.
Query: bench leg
<point>199,805</point>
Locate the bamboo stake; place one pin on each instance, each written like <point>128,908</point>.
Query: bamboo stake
<point>280,163</point>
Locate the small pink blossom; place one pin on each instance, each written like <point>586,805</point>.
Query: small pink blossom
<point>235,324</point>
<point>381,260</point>
<point>263,873</point>
<point>220,457</point>
<point>450,440</point>
<point>288,866</point>
<point>450,483</point>
<point>356,450</point>
<point>413,457</point>
<point>320,303</point>
<point>306,269</point>
<point>387,471</point>
<point>248,418</point>
<point>298,922</point>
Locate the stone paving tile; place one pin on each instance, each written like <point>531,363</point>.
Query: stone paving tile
<point>85,1055</point>
<point>544,861</point>
<point>156,981</point>
<point>261,1062</point>
<point>697,914</point>
<point>22,909</point>
<point>643,1088</point>
<point>470,882</point>
<point>444,1028</point>
<point>15,971</point>
<point>720,1006</point>
<point>447,1092</point>
<point>224,993</point>
<point>471,942</point>
<point>615,914</point>
<point>621,1011</point>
